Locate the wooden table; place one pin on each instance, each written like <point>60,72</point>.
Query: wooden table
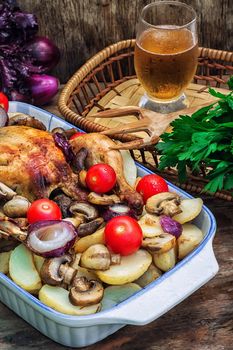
<point>204,321</point>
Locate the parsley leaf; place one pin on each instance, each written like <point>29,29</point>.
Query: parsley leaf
<point>205,138</point>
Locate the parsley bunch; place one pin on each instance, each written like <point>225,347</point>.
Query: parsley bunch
<point>204,139</point>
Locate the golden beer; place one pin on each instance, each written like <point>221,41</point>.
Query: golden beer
<point>165,61</point>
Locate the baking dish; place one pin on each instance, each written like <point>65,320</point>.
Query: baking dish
<point>143,307</point>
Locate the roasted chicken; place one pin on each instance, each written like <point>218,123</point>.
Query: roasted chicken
<point>33,166</point>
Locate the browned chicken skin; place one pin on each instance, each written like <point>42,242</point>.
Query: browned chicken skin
<point>32,165</point>
<point>99,151</point>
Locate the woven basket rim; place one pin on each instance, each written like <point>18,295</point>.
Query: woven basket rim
<point>108,51</point>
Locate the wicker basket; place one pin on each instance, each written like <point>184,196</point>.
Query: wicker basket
<point>112,67</point>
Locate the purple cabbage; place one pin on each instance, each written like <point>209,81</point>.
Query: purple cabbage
<point>16,26</point>
<point>18,62</point>
<point>171,226</point>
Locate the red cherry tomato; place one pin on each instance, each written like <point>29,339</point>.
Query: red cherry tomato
<point>123,235</point>
<point>101,178</point>
<point>77,134</point>
<point>4,101</point>
<point>43,209</point>
<point>150,185</point>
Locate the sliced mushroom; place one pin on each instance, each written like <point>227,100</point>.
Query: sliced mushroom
<point>59,130</point>
<point>86,209</point>
<point>86,292</point>
<point>24,119</point>
<point>11,229</point>
<point>63,202</point>
<point>164,203</point>
<point>67,272</point>
<point>50,271</point>
<point>104,199</point>
<point>75,261</point>
<point>6,192</point>
<point>159,244</point>
<point>76,220</point>
<point>16,207</point>
<point>96,257</point>
<point>89,227</point>
<point>22,223</point>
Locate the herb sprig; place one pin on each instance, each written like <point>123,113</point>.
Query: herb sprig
<point>204,139</point>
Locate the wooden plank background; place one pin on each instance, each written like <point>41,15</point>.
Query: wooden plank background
<point>81,28</point>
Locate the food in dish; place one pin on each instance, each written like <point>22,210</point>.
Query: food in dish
<point>85,259</point>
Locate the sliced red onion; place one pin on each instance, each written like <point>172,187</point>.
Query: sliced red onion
<point>3,117</point>
<point>118,210</point>
<point>171,226</point>
<point>51,238</point>
<point>64,145</point>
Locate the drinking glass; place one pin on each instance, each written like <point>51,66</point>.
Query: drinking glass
<point>166,53</point>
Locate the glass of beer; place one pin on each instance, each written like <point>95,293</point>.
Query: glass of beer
<point>166,53</point>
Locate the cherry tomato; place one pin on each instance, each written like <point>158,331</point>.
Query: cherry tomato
<point>101,178</point>
<point>77,134</point>
<point>123,235</point>
<point>43,209</point>
<point>150,185</point>
<point>4,101</point>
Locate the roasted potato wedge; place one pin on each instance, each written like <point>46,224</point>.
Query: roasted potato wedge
<point>150,225</point>
<point>23,271</point>
<point>38,261</point>
<point>149,276</point>
<point>85,242</point>
<point>159,244</point>
<point>113,295</point>
<point>4,262</point>
<point>189,240</point>
<point>131,268</point>
<point>191,208</point>
<point>167,260</point>
<point>58,299</point>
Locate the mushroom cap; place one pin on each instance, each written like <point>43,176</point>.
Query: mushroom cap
<point>86,292</point>
<point>103,199</point>
<point>86,209</point>
<point>6,192</point>
<point>50,270</point>
<point>16,207</point>
<point>89,227</point>
<point>166,203</point>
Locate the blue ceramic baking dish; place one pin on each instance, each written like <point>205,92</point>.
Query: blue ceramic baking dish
<point>143,307</point>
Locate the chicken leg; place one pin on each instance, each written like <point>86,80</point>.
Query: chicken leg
<point>99,151</point>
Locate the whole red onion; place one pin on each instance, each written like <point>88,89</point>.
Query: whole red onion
<point>44,52</point>
<point>43,87</point>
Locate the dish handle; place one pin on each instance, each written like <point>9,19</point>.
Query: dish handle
<point>162,296</point>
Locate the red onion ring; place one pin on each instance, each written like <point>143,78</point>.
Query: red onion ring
<point>51,238</point>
